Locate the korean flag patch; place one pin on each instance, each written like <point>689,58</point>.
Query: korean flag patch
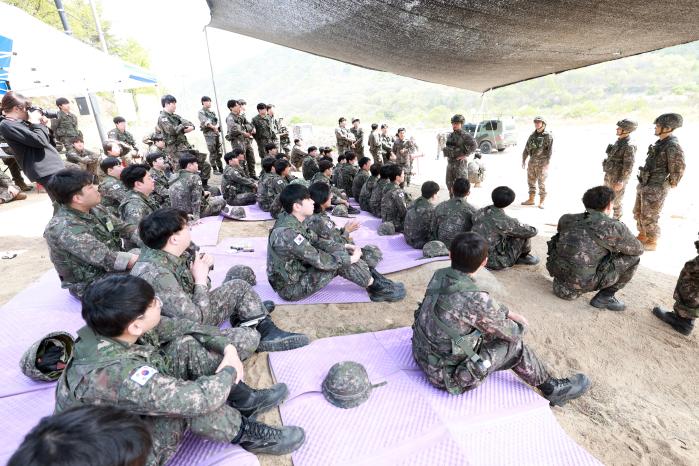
<point>299,239</point>
<point>143,374</point>
<point>280,181</point>
<point>400,194</point>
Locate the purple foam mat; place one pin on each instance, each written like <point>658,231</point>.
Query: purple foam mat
<point>409,422</point>
<point>205,231</point>
<point>253,213</point>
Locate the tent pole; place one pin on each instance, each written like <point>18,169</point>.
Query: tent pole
<point>213,83</point>
<point>95,105</point>
<point>100,34</point>
<point>64,18</point>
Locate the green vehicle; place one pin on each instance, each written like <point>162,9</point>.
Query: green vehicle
<point>493,134</point>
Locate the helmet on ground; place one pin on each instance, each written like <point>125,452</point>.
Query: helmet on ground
<point>434,249</point>
<point>347,385</point>
<point>241,272</point>
<point>387,229</point>
<point>46,358</point>
<point>340,210</point>
<point>372,255</point>
<point>234,212</point>
<point>669,120</point>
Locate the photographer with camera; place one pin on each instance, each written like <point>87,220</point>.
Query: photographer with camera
<point>24,128</point>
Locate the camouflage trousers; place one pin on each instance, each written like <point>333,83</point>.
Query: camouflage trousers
<point>191,361</point>
<point>236,301</point>
<point>620,273</point>
<point>456,169</point>
<point>507,254</point>
<point>407,171</point>
<point>213,145</point>
<point>649,202</point>
<point>204,168</point>
<point>250,161</point>
<point>213,206</point>
<point>537,172</point>
<point>242,199</point>
<point>618,196</point>
<point>315,280</point>
<point>376,156</point>
<point>687,290</point>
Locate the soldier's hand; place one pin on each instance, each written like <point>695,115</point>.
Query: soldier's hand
<point>132,261</point>
<point>518,318</point>
<point>188,129</point>
<point>356,255</point>
<point>200,268</point>
<point>352,225</point>
<point>13,191</point>
<point>231,358</point>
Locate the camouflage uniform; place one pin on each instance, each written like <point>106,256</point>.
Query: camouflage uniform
<point>172,126</point>
<point>309,167</point>
<point>476,172</point>
<point>377,196</point>
<point>385,147</point>
<point>297,156</point>
<point>168,379</point>
<point>591,252</point>
<point>5,183</point>
<point>299,263</point>
<point>404,160</point>
<point>234,300</point>
<point>264,133</point>
<point>86,159</point>
<point>538,150</point>
<point>187,193</point>
<point>270,188</point>
<point>358,183</point>
<point>441,143</point>
<point>65,128</point>
<point>459,144</point>
<point>133,208</point>
<point>113,194</point>
<point>161,194</point>
<point>129,150</point>
<point>366,192</point>
<point>418,221</point>
<point>337,193</point>
<point>663,170</point>
<point>345,139</point>
<point>507,238</point>
<point>86,246</point>
<point>359,141</point>
<point>455,301</point>
<point>212,138</point>
<point>451,218</point>
<point>375,146</point>
<point>394,206</point>
<point>237,188</point>
<point>348,172</point>
<point>237,125</point>
<point>687,289</point>
<point>617,169</point>
<point>282,135</point>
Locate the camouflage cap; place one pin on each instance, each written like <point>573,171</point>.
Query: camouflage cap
<point>45,360</point>
<point>458,119</point>
<point>387,229</point>
<point>372,255</point>
<point>539,118</point>
<point>627,125</point>
<point>340,210</point>
<point>234,212</point>
<point>434,249</point>
<point>669,120</point>
<point>347,385</point>
<point>241,272</point>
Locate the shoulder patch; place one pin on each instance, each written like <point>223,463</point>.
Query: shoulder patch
<point>299,239</point>
<point>400,194</point>
<point>143,374</point>
<point>329,224</point>
<point>164,119</point>
<point>280,181</point>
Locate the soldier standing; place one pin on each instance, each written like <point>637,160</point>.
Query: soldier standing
<point>240,132</point>
<point>401,154</point>
<point>663,170</point>
<point>358,133</point>
<point>375,143</point>
<point>208,123</point>
<point>385,144</point>
<point>280,131</point>
<point>65,127</point>
<point>538,150</point>
<point>343,136</point>
<point>264,133</point>
<point>619,163</point>
<point>458,147</point>
<point>128,144</point>
<point>173,128</point>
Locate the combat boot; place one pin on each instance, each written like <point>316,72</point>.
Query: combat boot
<point>250,402</point>
<point>269,305</point>
<point>385,291</point>
<point>352,210</point>
<point>605,299</point>
<point>542,198</point>
<point>680,324</point>
<point>527,259</point>
<point>379,278</point>
<point>20,196</point>
<point>530,201</point>
<point>560,391</point>
<point>272,338</point>
<point>256,437</point>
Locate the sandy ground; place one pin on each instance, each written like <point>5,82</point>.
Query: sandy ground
<point>642,406</point>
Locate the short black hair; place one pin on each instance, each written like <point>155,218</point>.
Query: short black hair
<point>375,169</point>
<point>232,103</point>
<point>153,156</point>
<point>66,183</point>
<point>61,101</point>
<point>133,173</point>
<point>374,126</point>
<point>280,156</point>
<point>280,165</point>
<point>292,194</point>
<point>598,198</point>
<point>324,165</point>
<point>394,170</point>
<point>261,106</point>
<point>461,187</point>
<point>311,149</point>
<point>383,171</point>
<point>268,163</point>
<point>384,125</point>
<point>429,189</point>
<point>468,250</point>
<point>502,196</point>
<point>233,154</point>
<point>355,120</point>
<point>327,150</point>
<point>108,144</point>
<point>320,193</point>
<point>326,157</point>
<point>167,99</point>
<point>269,146</point>
<point>205,98</point>
<point>76,139</point>
<point>349,155</point>
<point>111,303</point>
<point>341,120</point>
<point>186,159</point>
<point>400,129</point>
<point>296,140</point>
<point>109,162</point>
<point>270,106</point>
<point>157,227</point>
<point>341,157</point>
<point>118,119</point>
<point>98,435</point>
<point>363,161</point>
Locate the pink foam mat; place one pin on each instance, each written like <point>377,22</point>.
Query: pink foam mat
<point>409,422</point>
<point>205,231</point>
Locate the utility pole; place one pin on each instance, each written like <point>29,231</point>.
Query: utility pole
<point>100,34</point>
<point>64,18</point>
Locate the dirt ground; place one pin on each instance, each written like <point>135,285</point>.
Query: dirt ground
<point>641,408</point>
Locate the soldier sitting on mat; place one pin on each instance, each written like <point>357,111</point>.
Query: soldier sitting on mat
<point>461,335</point>
<point>368,188</point>
<point>187,191</point>
<point>394,203</point>
<point>236,186</point>
<point>455,215</point>
<point>111,188</point>
<point>299,263</point>
<point>419,217</point>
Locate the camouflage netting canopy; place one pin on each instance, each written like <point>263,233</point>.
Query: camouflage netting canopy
<point>471,44</point>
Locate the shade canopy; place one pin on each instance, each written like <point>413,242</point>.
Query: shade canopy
<point>38,60</point>
<point>471,44</point>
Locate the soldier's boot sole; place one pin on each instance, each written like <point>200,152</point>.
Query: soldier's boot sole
<point>683,326</point>
<point>603,302</point>
<point>579,384</point>
<point>527,260</point>
<point>263,400</point>
<point>260,438</point>
<point>388,294</point>
<point>289,342</point>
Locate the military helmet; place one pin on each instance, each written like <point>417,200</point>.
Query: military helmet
<point>627,125</point>
<point>340,210</point>
<point>300,181</point>
<point>241,272</point>
<point>372,255</point>
<point>539,118</point>
<point>387,229</point>
<point>458,118</point>
<point>434,249</point>
<point>234,212</point>
<point>347,385</point>
<point>45,360</point>
<point>669,120</point>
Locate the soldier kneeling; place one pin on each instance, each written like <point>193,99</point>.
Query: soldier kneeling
<point>461,335</point>
<point>593,251</point>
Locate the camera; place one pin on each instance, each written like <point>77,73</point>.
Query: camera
<point>52,114</point>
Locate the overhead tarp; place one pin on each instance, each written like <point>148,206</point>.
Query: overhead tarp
<point>39,60</point>
<point>471,44</point>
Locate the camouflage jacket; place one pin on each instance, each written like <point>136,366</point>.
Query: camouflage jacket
<point>294,251</point>
<point>374,141</point>
<point>236,181</point>
<point>113,193</point>
<point>377,196</point>
<point>161,194</point>
<point>236,126</point>
<point>665,162</point>
<point>366,192</point>
<point>451,218</point>
<point>455,299</point>
<point>82,158</point>
<point>172,127</point>
<point>385,145</point>
<point>264,132</point>
<point>271,187</point>
<point>187,193</point>
<point>358,183</point>
<point>358,138</point>
<point>496,227</point>
<point>344,138</point>
<point>66,127</point>
<point>476,171</point>
<point>619,162</point>
<point>418,222</point>
<point>459,143</point>
<point>309,167</point>
<point>402,158</point>
<point>135,206</point>
<point>85,246</point>
<point>394,206</point>
<point>687,289</point>
<point>124,138</point>
<point>297,155</point>
<point>5,184</point>
<point>337,193</point>
<point>583,246</point>
<point>325,228</point>
<point>207,117</point>
<point>348,172</point>
<point>538,147</point>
